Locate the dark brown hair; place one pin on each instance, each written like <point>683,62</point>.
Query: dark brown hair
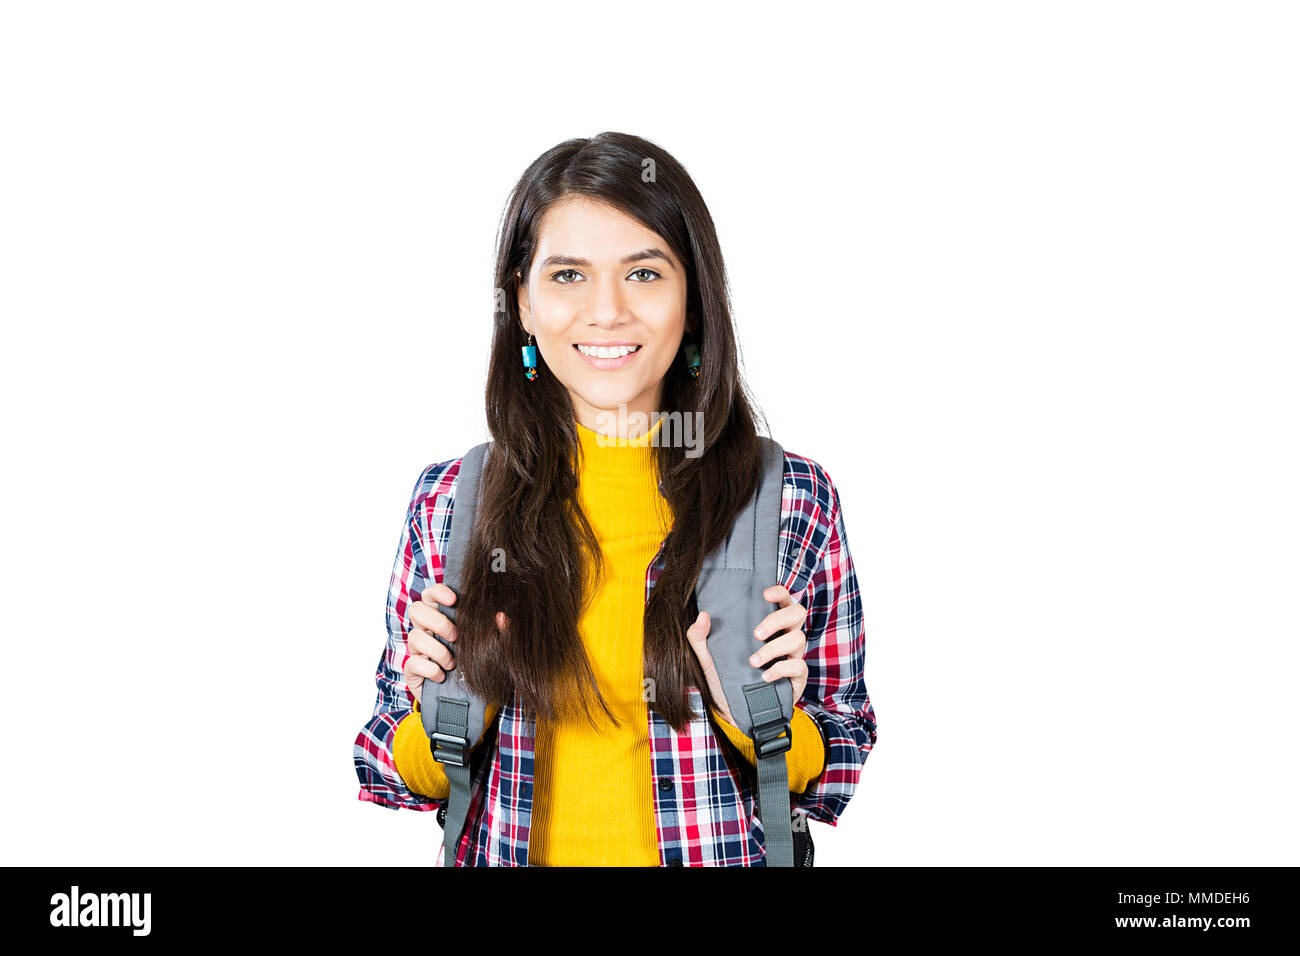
<point>529,490</point>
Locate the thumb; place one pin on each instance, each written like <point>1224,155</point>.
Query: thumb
<point>699,629</point>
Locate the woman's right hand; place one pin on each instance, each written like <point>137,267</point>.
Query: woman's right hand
<point>427,656</point>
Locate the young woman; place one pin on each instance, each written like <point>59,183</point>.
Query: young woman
<point>600,748</point>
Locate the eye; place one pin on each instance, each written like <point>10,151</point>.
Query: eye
<point>564,272</point>
<point>648,271</point>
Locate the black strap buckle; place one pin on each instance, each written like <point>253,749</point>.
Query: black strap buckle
<point>768,740</point>
<point>449,749</point>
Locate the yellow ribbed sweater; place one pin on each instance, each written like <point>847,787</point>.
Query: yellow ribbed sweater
<point>592,798</point>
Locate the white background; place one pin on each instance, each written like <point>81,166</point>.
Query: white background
<point>1021,276</point>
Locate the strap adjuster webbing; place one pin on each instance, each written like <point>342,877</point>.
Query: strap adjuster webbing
<point>769,723</point>
<point>449,749</point>
<point>450,740</point>
<point>768,739</point>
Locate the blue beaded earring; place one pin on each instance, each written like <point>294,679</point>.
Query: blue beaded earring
<point>692,357</point>
<point>530,359</point>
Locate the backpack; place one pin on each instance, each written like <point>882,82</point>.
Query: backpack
<point>730,587</point>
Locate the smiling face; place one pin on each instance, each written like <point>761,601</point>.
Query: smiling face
<point>600,279</point>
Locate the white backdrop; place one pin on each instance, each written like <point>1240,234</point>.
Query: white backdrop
<point>1021,276</point>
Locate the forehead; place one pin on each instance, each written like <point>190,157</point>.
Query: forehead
<point>587,228</point>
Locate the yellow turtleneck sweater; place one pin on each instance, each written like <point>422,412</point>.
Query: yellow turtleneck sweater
<point>592,802</point>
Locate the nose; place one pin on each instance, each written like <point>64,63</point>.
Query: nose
<point>607,305</point>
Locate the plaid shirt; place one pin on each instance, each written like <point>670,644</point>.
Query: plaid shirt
<point>704,791</point>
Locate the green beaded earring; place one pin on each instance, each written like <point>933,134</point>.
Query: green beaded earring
<point>530,359</point>
<point>692,357</point>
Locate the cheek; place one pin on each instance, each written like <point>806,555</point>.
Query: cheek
<point>550,318</point>
<point>554,305</point>
<point>660,360</point>
<point>663,310</point>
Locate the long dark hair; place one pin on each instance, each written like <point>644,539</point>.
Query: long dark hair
<point>529,490</point>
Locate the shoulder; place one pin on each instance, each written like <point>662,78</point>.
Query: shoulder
<point>807,483</point>
<point>437,480</point>
<point>809,511</point>
<point>428,516</point>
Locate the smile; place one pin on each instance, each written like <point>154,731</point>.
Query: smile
<point>605,357</point>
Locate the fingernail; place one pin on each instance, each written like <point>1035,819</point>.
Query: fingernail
<point>753,660</point>
<point>760,631</point>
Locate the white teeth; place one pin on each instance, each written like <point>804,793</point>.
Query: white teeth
<point>600,351</point>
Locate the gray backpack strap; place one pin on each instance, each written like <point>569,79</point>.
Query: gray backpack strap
<point>454,716</point>
<point>730,587</point>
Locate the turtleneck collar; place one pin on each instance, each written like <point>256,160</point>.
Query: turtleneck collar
<point>626,457</point>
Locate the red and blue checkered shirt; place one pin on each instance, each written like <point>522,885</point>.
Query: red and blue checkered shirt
<point>704,791</point>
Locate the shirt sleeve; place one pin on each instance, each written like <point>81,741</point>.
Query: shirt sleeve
<point>376,767</point>
<point>836,694</point>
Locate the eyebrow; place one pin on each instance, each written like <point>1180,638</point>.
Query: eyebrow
<point>626,260</point>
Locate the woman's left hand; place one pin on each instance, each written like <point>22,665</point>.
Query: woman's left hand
<point>788,646</point>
